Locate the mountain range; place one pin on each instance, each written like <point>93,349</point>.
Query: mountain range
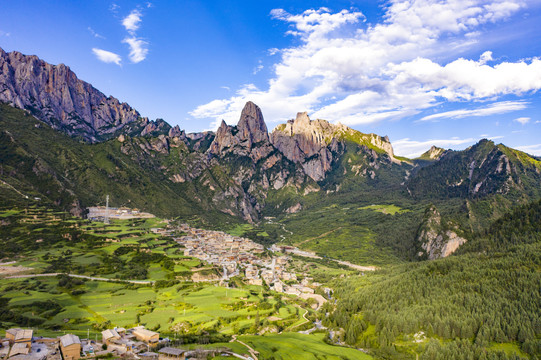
<point>67,144</point>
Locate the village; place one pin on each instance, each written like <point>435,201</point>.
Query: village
<point>235,256</point>
<point>238,256</point>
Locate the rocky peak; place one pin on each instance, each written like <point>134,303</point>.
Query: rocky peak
<point>55,95</point>
<point>309,143</point>
<point>434,153</point>
<point>176,132</point>
<point>251,125</point>
<point>249,138</point>
<point>302,120</point>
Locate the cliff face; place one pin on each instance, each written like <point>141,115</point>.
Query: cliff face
<point>306,142</point>
<point>55,95</point>
<point>317,144</point>
<point>437,239</point>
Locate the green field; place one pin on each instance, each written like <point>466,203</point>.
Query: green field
<point>385,209</point>
<point>293,346</point>
<point>53,242</point>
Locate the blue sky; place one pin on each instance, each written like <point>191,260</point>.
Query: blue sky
<point>423,72</point>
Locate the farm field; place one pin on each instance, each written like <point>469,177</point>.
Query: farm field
<point>293,346</point>
<point>126,250</point>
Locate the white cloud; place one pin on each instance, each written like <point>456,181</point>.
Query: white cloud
<point>114,7</point>
<point>138,46</point>
<point>531,149</point>
<point>523,120</point>
<point>95,34</point>
<point>258,68</point>
<point>492,109</point>
<point>107,56</point>
<point>4,33</point>
<point>412,148</point>
<point>132,21</point>
<point>485,57</point>
<point>349,71</point>
<point>138,49</point>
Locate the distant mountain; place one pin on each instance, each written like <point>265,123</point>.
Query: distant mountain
<point>55,95</point>
<point>434,153</point>
<point>481,170</point>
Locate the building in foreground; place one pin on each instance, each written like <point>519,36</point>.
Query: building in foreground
<point>70,345</point>
<point>169,353</point>
<point>151,338</point>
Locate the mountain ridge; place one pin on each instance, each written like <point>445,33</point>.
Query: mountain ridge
<point>244,171</point>
<point>55,95</point>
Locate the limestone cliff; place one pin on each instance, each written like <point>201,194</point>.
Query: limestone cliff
<point>55,95</point>
<point>316,144</point>
<point>437,238</point>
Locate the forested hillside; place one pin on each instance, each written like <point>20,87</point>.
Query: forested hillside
<point>482,304</point>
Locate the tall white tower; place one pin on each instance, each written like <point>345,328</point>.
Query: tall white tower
<point>106,219</point>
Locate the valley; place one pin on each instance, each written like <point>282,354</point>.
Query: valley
<point>310,241</point>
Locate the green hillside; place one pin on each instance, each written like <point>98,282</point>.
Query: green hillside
<point>39,162</point>
<point>482,304</point>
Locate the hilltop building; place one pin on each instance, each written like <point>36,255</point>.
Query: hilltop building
<point>19,349</point>
<point>21,341</point>
<point>16,335</point>
<point>108,336</point>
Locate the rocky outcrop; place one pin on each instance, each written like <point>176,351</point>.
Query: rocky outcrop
<point>437,239</point>
<point>434,153</point>
<point>249,138</point>
<point>308,143</point>
<point>317,144</point>
<point>55,95</point>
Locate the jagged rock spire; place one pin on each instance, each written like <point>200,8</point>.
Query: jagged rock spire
<point>251,130</point>
<point>251,124</point>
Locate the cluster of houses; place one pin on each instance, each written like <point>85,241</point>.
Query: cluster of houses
<point>234,253</point>
<point>21,344</point>
<point>218,248</point>
<point>137,342</point>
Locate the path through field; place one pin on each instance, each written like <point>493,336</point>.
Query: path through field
<point>81,277</point>
<point>252,352</point>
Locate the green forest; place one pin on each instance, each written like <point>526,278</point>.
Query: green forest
<point>480,304</point>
